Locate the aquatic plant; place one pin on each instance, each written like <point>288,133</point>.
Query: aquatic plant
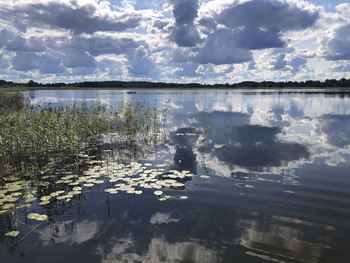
<point>32,136</point>
<point>12,101</point>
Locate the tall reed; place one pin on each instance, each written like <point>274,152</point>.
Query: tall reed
<point>30,135</point>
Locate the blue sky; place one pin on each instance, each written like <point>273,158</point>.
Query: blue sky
<point>206,41</point>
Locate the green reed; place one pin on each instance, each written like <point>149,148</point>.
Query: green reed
<point>31,135</point>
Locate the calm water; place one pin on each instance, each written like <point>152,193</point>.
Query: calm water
<point>271,183</point>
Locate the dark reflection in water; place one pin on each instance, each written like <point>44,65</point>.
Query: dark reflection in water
<point>337,129</point>
<point>184,139</point>
<point>270,183</point>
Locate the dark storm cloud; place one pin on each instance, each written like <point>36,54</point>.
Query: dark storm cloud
<point>336,47</point>
<point>70,16</point>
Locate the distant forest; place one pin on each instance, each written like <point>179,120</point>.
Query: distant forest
<point>328,83</point>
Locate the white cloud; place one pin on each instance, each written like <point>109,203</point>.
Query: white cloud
<point>75,16</point>
<point>178,41</point>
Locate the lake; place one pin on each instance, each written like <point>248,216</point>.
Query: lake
<point>243,175</point>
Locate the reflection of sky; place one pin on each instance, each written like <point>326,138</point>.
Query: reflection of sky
<point>313,119</point>
<point>159,250</point>
<point>70,232</point>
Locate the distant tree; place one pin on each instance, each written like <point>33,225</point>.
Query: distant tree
<point>32,83</point>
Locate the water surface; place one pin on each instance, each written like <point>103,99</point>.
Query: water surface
<point>270,184</point>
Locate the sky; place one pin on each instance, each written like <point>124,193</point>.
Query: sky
<point>203,41</point>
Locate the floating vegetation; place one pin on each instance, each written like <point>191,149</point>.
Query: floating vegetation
<point>33,138</point>
<point>38,217</point>
<point>50,157</point>
<point>12,233</point>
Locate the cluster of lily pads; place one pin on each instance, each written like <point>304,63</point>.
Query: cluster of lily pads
<point>132,178</point>
<point>135,177</point>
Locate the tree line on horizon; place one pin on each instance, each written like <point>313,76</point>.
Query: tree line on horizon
<point>328,83</point>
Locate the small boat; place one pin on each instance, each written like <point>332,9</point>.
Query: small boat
<point>131,92</point>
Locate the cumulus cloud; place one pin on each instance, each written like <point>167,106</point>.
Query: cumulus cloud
<point>221,48</point>
<point>24,61</point>
<point>141,65</point>
<point>5,37</point>
<point>236,28</point>
<point>285,59</point>
<point>266,14</point>
<point>3,62</point>
<point>185,33</point>
<point>344,9</point>
<point>336,45</point>
<point>190,40</point>
<point>75,16</point>
<point>111,67</point>
<point>21,44</point>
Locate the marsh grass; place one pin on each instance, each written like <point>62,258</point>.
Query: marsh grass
<point>32,136</point>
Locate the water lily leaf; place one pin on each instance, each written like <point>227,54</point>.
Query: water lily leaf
<point>16,194</point>
<point>45,198</point>
<point>30,199</point>
<point>7,206</point>
<point>99,181</point>
<point>158,192</point>
<point>12,233</point>
<point>38,217</point>
<point>32,215</point>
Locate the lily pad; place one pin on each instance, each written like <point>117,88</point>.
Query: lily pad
<point>38,217</point>
<point>12,233</point>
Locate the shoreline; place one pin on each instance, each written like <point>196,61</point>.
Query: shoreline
<point>9,89</point>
